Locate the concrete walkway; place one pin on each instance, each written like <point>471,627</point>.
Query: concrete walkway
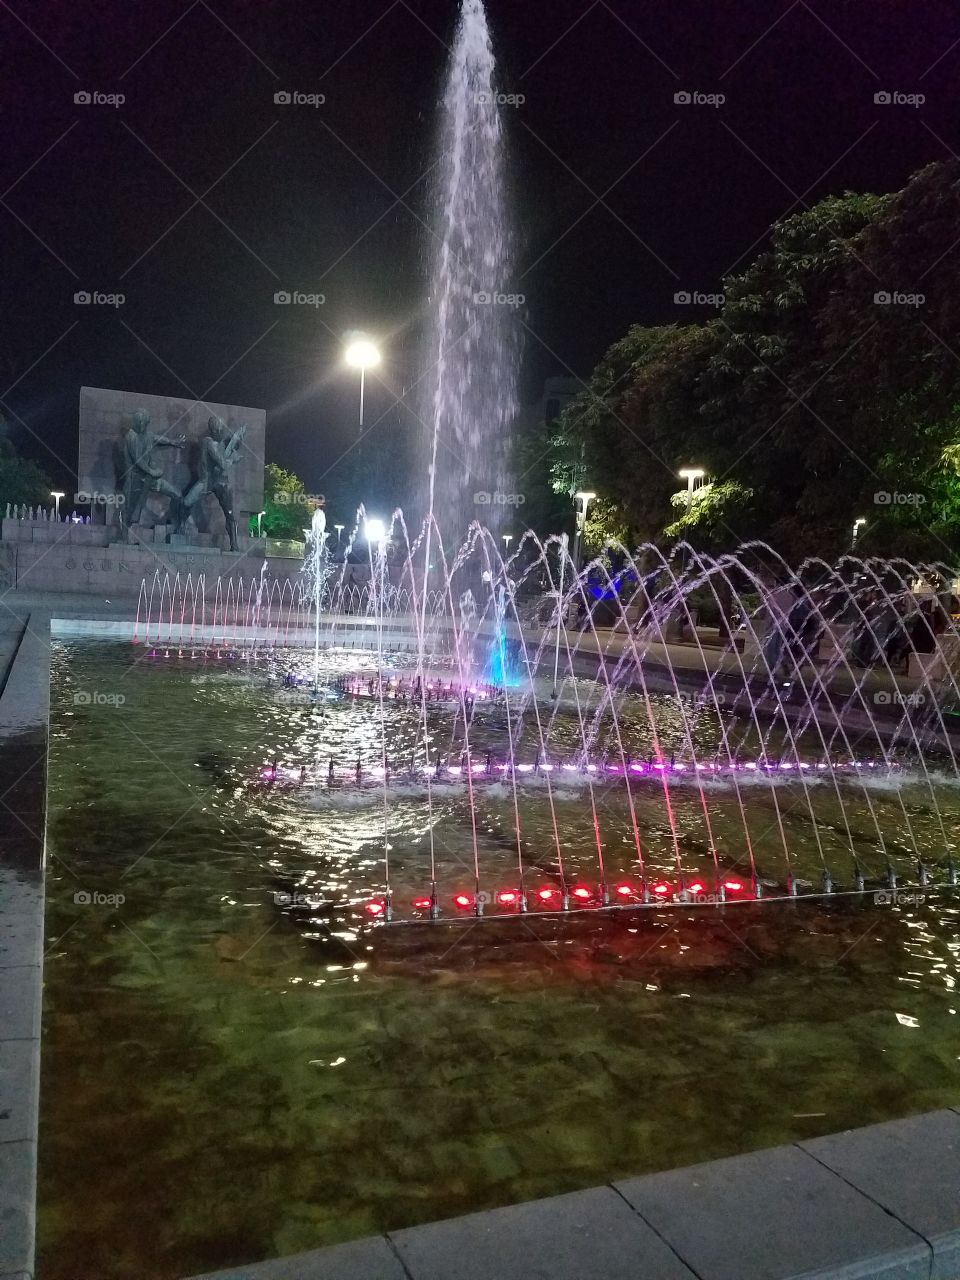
<point>24,683</point>
<point>881,1202</point>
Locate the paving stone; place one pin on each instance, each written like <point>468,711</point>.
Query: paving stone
<point>912,1168</point>
<point>18,1177</point>
<point>19,1002</point>
<point>19,1076</point>
<point>589,1235</point>
<point>21,920</point>
<point>775,1215</point>
<point>370,1259</point>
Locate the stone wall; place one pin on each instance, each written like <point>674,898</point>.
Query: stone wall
<point>88,558</point>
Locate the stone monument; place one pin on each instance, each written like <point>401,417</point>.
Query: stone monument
<point>147,464</point>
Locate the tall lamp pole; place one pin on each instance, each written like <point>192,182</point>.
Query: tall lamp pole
<point>362,354</point>
<point>584,497</point>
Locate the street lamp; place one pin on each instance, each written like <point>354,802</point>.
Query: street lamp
<point>857,526</point>
<point>691,475</point>
<point>374,530</point>
<point>260,515</point>
<point>56,496</point>
<point>585,497</point>
<point>362,354</point>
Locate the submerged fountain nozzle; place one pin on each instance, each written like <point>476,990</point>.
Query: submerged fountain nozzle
<point>891,876</point>
<point>923,874</point>
<point>434,903</point>
<point>757,886</point>
<point>857,877</point>
<point>826,881</point>
<point>792,885</point>
<point>951,871</point>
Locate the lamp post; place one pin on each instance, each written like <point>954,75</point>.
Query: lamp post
<point>260,515</point>
<point>507,539</point>
<point>585,497</point>
<point>691,475</point>
<point>56,496</point>
<point>362,354</point>
<point>857,526</point>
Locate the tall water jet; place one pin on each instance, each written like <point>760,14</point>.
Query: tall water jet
<point>473,352</point>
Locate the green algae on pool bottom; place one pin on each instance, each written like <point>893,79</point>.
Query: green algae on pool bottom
<point>227,1079</point>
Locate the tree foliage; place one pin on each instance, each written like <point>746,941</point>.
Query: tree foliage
<point>21,481</point>
<point>823,387</point>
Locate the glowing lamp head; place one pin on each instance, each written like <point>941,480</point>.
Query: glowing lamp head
<point>624,891</point>
<point>581,892</point>
<point>361,353</point>
<point>546,894</point>
<point>697,887</point>
<point>661,889</point>
<point>508,897</point>
<point>421,904</point>
<point>376,908</point>
<point>463,901</point>
<point>733,886</point>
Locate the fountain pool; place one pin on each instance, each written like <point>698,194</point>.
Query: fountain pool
<point>292,1074</point>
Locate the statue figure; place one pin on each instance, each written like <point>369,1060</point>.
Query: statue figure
<point>217,455</point>
<point>141,476</point>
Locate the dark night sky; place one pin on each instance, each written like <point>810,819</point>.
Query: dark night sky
<point>306,198</point>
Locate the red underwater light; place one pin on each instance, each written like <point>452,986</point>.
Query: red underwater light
<point>508,897</point>
<point>463,900</point>
<point>733,886</point>
<point>697,887</point>
<point>375,908</point>
<point>662,889</point>
<point>422,904</point>
<point>546,894</point>
<point>581,891</point>
<point>624,891</point>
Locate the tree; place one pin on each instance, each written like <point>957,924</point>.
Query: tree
<point>827,388</point>
<point>21,481</point>
<point>287,508</point>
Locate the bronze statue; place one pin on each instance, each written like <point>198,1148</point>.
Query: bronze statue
<point>140,477</point>
<point>217,455</point>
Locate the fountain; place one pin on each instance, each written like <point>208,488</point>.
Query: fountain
<point>841,709</point>
<point>470,383</point>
